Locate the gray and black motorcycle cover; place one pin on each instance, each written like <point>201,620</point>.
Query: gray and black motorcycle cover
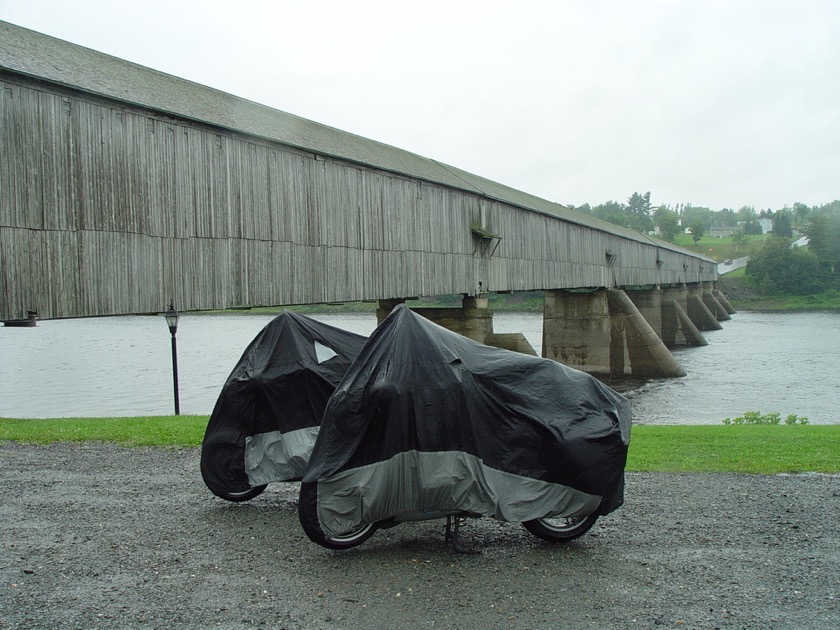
<point>427,422</point>
<point>266,419</point>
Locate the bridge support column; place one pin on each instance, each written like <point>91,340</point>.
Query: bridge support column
<point>385,307</point>
<point>649,303</point>
<point>723,301</point>
<point>714,305</point>
<point>677,327</point>
<point>699,313</point>
<point>473,319</point>
<point>602,332</point>
<point>511,341</point>
<point>636,350</point>
<point>576,329</point>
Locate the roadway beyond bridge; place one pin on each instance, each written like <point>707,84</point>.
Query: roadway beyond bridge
<point>123,189</point>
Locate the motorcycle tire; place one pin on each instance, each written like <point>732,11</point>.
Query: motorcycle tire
<point>560,529</point>
<point>307,512</point>
<point>245,495</point>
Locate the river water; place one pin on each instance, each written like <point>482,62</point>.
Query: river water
<point>121,366</point>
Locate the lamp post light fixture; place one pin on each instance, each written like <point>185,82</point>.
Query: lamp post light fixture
<point>172,321</point>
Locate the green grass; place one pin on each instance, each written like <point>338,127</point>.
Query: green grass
<point>744,296</point>
<point>826,301</point>
<point>764,449</point>
<point>143,431</point>
<point>761,449</point>
<point>720,249</point>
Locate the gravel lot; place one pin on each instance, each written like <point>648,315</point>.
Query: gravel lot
<point>96,536</point>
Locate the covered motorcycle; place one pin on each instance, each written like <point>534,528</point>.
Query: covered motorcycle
<point>427,423</point>
<point>266,419</point>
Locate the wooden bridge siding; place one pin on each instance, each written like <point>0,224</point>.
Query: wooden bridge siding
<point>29,185</point>
<point>547,253</point>
<point>108,209</point>
<point>567,255</point>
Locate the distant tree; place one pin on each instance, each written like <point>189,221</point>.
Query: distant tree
<point>611,211</point>
<point>780,268</point>
<point>823,232</point>
<point>638,212</point>
<point>639,203</point>
<point>753,228</point>
<point>668,223</point>
<point>828,208</point>
<point>748,219</point>
<point>746,214</point>
<point>697,214</point>
<point>726,217</point>
<point>738,239</point>
<point>697,231</point>
<point>800,213</point>
<point>782,224</point>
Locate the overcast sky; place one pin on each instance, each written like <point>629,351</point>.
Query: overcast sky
<point>715,103</point>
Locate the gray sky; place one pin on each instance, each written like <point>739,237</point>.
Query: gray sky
<point>714,103</point>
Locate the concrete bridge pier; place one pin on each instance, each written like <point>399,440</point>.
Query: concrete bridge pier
<point>636,343</point>
<point>723,301</point>
<point>474,320</point>
<point>576,329</point>
<point>712,303</point>
<point>385,307</point>
<point>664,310</point>
<point>677,327</point>
<point>649,303</point>
<point>602,332</point>
<point>699,313</point>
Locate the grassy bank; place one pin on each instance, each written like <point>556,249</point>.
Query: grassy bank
<point>744,449</point>
<point>720,249</point>
<point>764,449</point>
<point>177,431</point>
<point>744,296</point>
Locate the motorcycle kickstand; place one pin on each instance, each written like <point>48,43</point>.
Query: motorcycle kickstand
<point>452,538</point>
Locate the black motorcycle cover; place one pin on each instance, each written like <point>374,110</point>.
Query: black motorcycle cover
<point>266,419</point>
<point>427,422</point>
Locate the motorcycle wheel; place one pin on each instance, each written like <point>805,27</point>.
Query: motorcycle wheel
<point>348,540</point>
<point>309,520</point>
<point>245,495</point>
<point>560,529</point>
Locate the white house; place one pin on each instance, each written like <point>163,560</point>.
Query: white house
<point>766,224</point>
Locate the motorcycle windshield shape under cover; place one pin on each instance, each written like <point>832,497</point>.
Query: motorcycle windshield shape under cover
<point>266,419</point>
<point>427,422</point>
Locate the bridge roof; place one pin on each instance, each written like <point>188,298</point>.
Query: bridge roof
<point>56,61</point>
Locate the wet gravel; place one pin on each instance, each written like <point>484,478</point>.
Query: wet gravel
<point>95,536</point>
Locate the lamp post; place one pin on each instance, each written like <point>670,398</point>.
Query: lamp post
<point>172,321</point>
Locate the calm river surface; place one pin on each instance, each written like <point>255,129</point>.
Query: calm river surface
<point>121,366</point>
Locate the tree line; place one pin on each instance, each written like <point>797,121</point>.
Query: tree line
<point>776,267</point>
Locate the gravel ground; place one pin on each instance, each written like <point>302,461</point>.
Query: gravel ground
<point>96,536</point>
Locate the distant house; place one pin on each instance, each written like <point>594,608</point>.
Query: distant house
<point>766,224</point>
<point>721,231</point>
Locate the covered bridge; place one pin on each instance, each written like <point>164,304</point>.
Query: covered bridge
<point>123,188</point>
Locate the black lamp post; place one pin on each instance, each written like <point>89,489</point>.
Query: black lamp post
<point>172,321</point>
